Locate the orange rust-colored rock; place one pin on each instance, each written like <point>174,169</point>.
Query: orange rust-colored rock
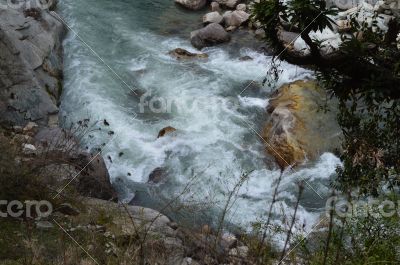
<point>298,128</point>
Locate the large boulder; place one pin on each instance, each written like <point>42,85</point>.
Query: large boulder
<point>211,35</point>
<point>212,17</point>
<point>30,64</point>
<point>235,18</point>
<point>68,163</point>
<point>297,128</point>
<point>192,4</point>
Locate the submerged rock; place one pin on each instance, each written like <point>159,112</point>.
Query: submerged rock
<point>192,4</point>
<point>210,35</point>
<point>298,128</point>
<point>157,175</point>
<point>179,54</point>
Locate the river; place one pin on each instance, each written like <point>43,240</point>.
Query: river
<point>117,69</point>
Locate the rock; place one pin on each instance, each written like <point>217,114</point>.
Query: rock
<point>343,4</point>
<point>192,4</point>
<point>31,127</point>
<point>231,28</point>
<point>142,217</point>
<point>260,33</point>
<point>245,58</point>
<point>241,7</point>
<point>235,18</point>
<point>229,241</point>
<point>17,129</point>
<point>213,17</point>
<point>157,175</point>
<point>45,225</point>
<point>31,65</point>
<point>67,209</point>
<point>229,3</point>
<point>240,252</point>
<point>297,128</point>
<point>29,149</point>
<point>165,131</point>
<point>189,261</point>
<point>343,26</point>
<point>288,38</point>
<point>180,54</point>
<point>88,171</point>
<point>210,35</point>
<point>215,7</point>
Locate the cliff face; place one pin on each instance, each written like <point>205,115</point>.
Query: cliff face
<point>30,64</point>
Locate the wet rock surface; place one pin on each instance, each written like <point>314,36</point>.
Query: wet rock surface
<point>298,128</point>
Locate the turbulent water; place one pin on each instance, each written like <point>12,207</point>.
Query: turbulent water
<point>216,141</point>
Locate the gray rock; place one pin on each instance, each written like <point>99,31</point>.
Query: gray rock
<point>29,149</point>
<point>192,4</point>
<point>30,65</point>
<point>44,225</point>
<point>241,7</point>
<point>229,3</point>
<point>89,171</point>
<point>215,7</point>
<point>213,17</point>
<point>235,18</point>
<point>211,35</point>
<point>189,261</point>
<point>343,4</point>
<point>259,33</point>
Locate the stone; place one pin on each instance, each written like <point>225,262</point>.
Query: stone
<point>229,241</point>
<point>157,175</point>
<point>67,209</point>
<point>44,225</point>
<point>189,261</point>
<point>213,17</point>
<point>215,7</point>
<point>241,7</point>
<point>297,129</point>
<point>89,171</point>
<point>245,58</point>
<point>229,3</point>
<point>29,149</point>
<point>192,4</point>
<point>182,54</point>
<point>231,28</point>
<point>260,33</point>
<point>30,127</point>
<point>31,64</point>
<point>343,4</point>
<point>343,26</point>
<point>235,18</point>
<point>210,35</point>
<point>165,131</point>
<point>240,252</point>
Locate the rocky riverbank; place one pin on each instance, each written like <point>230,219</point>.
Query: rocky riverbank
<point>31,63</point>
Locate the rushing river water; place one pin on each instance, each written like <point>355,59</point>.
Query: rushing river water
<point>214,141</point>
